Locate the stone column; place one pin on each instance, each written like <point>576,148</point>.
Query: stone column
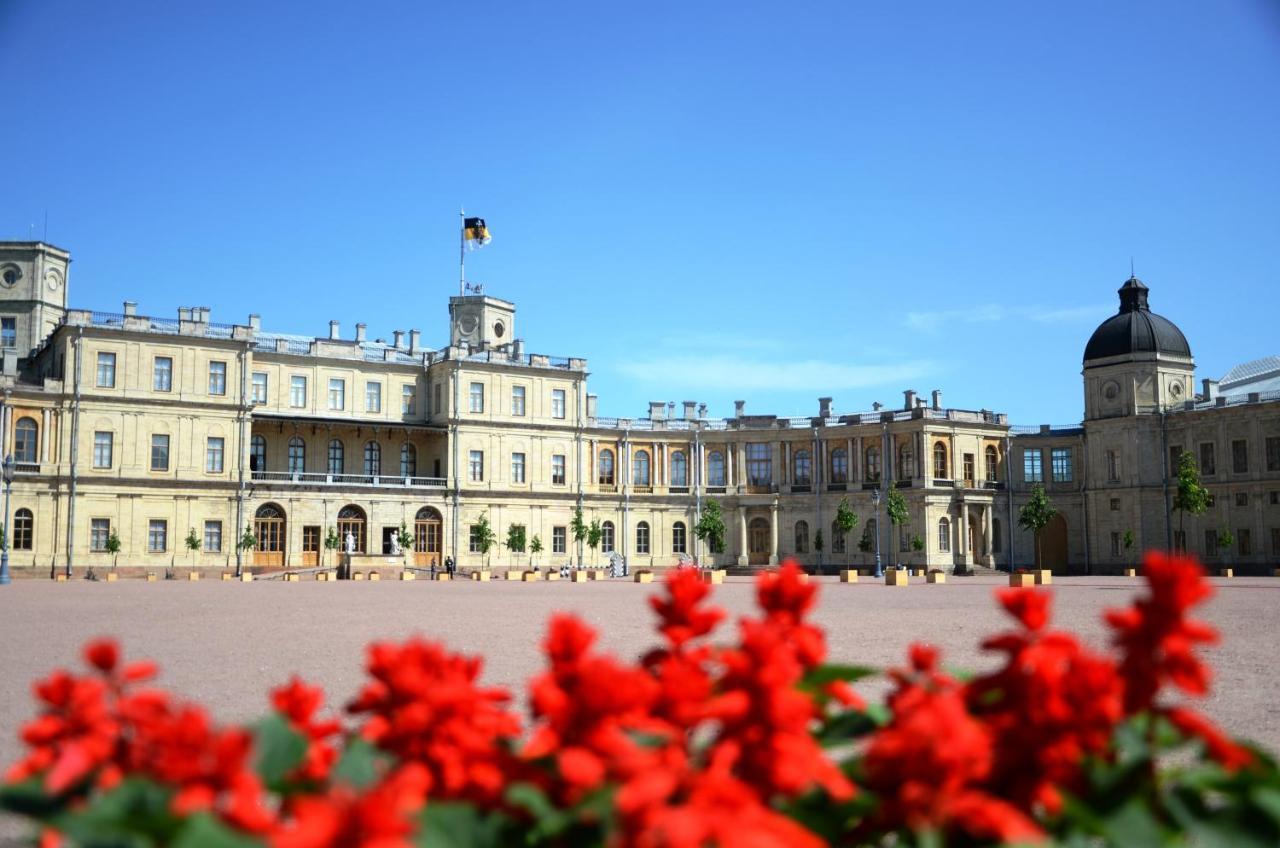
<point>730,477</point>
<point>962,526</point>
<point>742,535</point>
<point>773,533</point>
<point>740,458</point>
<point>785,476</point>
<point>990,547</point>
<point>926,458</point>
<point>46,417</point>
<point>854,471</point>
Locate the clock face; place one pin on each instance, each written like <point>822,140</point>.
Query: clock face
<point>53,279</point>
<point>468,323</point>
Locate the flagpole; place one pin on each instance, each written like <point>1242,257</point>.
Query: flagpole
<point>462,251</point>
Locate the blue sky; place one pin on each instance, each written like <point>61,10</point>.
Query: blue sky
<point>710,201</point>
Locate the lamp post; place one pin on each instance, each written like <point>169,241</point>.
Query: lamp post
<point>7,470</point>
<point>875,499</point>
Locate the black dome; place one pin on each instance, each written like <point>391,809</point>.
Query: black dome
<point>1136,329</point>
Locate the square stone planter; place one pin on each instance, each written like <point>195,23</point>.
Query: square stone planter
<point>849,576</point>
<point>580,576</point>
<point>1022,581</point>
<point>512,574</point>
<point>595,574</point>
<point>1044,577</point>
<point>1226,572</point>
<point>481,576</point>
<point>443,577</point>
<point>714,575</point>
<point>1131,572</point>
<point>112,577</point>
<point>246,577</point>
<point>408,575</point>
<point>60,578</point>
<point>530,576</point>
<point>151,577</point>
<point>375,575</point>
<point>896,577</point>
<point>226,575</point>
<point>642,576</point>
<point>292,578</point>
<point>936,577</point>
<point>193,575</point>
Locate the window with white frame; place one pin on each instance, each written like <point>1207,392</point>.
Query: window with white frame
<point>157,536</point>
<point>337,393</point>
<point>476,397</point>
<point>517,400</point>
<point>259,387</point>
<point>372,397</point>
<point>8,331</point>
<point>1032,465</point>
<point>557,469</point>
<point>102,441</point>
<point>162,374</point>
<point>557,403</point>
<point>559,539</point>
<point>679,538</point>
<point>106,371</point>
<point>159,451</point>
<point>517,468</point>
<point>642,537</point>
<point>408,399</point>
<point>99,532</point>
<point>944,535</point>
<point>475,464</point>
<point>1060,458</point>
<point>213,454</point>
<point>372,459</point>
<point>213,536</point>
<point>217,378</point>
<point>297,391</point>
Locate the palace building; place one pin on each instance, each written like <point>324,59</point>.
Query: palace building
<point>155,431</point>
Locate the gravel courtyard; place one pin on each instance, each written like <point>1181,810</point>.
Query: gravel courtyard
<point>225,644</point>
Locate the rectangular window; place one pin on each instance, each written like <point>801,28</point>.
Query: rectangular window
<point>642,538</point>
<point>297,391</point>
<point>678,538</point>
<point>372,397</point>
<point>408,399</point>
<point>337,393</point>
<point>1242,498</point>
<point>102,449</point>
<point>1275,498</point>
<point>1061,459</point>
<point>1273,453</point>
<point>477,397</point>
<point>1175,453</point>
<point>1115,544</point>
<point>99,532</point>
<point>162,374</point>
<point>517,468</point>
<point>1240,456</point>
<point>157,536</point>
<point>1211,543</point>
<point>213,455</point>
<point>1244,542</point>
<point>557,403</point>
<point>517,400</point>
<point>759,464</point>
<point>1208,463</point>
<point>473,539</point>
<point>557,469</point>
<point>259,387</point>
<point>559,540</point>
<point>1032,469</point>
<point>968,469</point>
<point>439,389</point>
<point>1115,504</point>
<point>159,452</point>
<point>1113,466</point>
<point>106,371</point>
<point>213,536</point>
<point>475,464</point>
<point>217,378</point>
<point>8,331</point>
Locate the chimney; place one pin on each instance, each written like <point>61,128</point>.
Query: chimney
<point>1210,387</point>
<point>824,407</point>
<point>333,331</point>
<point>184,313</point>
<point>877,406</point>
<point>690,410</point>
<point>398,339</point>
<point>656,409</point>
<point>702,410</point>
<point>415,340</point>
<point>360,328</point>
<point>591,405</point>
<point>909,399</point>
<point>517,350</point>
<point>130,307</point>
<point>255,322</point>
<point>738,407</point>
<point>1220,400</point>
<point>937,398</point>
<point>202,314</point>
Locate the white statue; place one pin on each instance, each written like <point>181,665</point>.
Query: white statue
<point>395,545</point>
<point>350,542</point>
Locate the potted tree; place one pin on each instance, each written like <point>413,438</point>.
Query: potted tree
<point>1035,515</point>
<point>895,506</point>
<point>1127,540</point>
<point>535,547</point>
<point>578,528</point>
<point>193,545</point>
<point>516,540</point>
<point>846,520</point>
<point>710,528</point>
<point>405,540</point>
<point>1190,496</point>
<point>485,537</point>
<point>594,534</point>
<point>331,540</point>
<point>1225,540</point>
<point>247,542</point>
<point>917,545</point>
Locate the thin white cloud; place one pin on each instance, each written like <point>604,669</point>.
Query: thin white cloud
<point>990,313</point>
<point>774,374</point>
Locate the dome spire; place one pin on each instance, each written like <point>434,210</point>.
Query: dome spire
<point>1133,296</point>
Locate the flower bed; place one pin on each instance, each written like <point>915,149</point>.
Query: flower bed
<point>751,739</point>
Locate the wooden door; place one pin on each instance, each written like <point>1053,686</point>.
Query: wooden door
<point>758,539</point>
<point>269,552</point>
<point>354,526</point>
<point>426,543</point>
<point>310,546</point>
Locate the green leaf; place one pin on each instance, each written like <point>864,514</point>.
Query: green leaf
<point>280,749</point>
<point>29,798</point>
<point>358,765</point>
<point>833,672</point>
<point>1267,800</point>
<point>1133,824</point>
<point>844,728</point>
<point>135,814</point>
<point>204,831</point>
<point>448,824</point>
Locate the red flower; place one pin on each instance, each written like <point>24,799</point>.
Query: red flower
<point>381,818</point>
<point>298,703</point>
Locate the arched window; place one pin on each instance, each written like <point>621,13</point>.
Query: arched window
<point>642,537</point>
<point>993,462</point>
<point>679,538</point>
<point>940,461</point>
<point>336,461</point>
<point>23,522</point>
<point>606,467</point>
<point>995,536</point>
<point>297,456</point>
<point>837,539</point>
<point>640,468</point>
<point>258,453</point>
<point>803,463</point>
<point>408,460</point>
<point>715,469</point>
<point>25,440</point>
<point>872,462</point>
<point>906,463</point>
<point>802,537</point>
<point>679,469</point>
<point>351,521</point>
<point>606,537</point>
<point>372,459</point>
<point>839,466</point>
<point>944,535</point>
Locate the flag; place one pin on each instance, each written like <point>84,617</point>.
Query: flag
<point>474,233</point>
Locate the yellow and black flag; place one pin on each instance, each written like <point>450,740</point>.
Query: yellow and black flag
<point>474,233</point>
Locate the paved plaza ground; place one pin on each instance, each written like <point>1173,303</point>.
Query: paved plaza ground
<point>226,644</point>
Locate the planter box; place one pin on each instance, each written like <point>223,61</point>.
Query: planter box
<point>1022,581</point>
<point>642,576</point>
<point>595,574</point>
<point>916,572</point>
<point>1226,572</point>
<point>895,577</point>
<point>511,574</point>
<point>1044,577</point>
<point>408,575</point>
<point>714,575</point>
<point>375,575</point>
<point>226,575</point>
<point>443,577</point>
<point>849,576</point>
<point>553,575</point>
<point>112,577</point>
<point>60,578</point>
<point>291,578</point>
<point>357,575</point>
<point>530,576</point>
<point>151,577</point>
<point>936,577</point>
<point>246,577</point>
<point>193,575</point>
<point>481,576</point>
<point>581,576</point>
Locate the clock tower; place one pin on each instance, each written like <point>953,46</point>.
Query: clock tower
<point>33,294</point>
<point>481,321</point>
